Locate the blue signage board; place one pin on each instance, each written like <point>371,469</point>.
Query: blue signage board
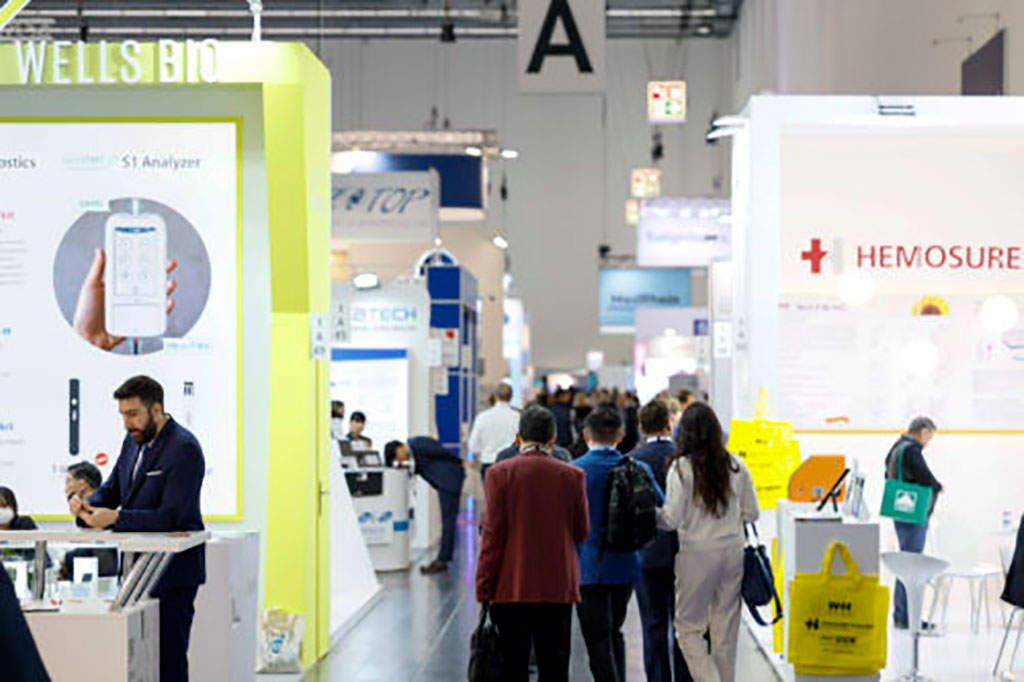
<point>621,292</point>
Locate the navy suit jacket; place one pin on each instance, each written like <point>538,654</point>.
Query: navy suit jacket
<point>163,497</point>
<point>662,552</point>
<point>21,660</point>
<point>438,467</point>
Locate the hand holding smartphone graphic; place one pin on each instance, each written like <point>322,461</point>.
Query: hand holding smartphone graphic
<point>124,298</point>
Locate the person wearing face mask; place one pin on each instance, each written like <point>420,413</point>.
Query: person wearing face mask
<point>155,487</point>
<point>9,517</point>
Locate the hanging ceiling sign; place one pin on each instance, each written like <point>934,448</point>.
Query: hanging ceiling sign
<point>561,46</point>
<point>680,232</point>
<point>386,206</point>
<point>666,102</point>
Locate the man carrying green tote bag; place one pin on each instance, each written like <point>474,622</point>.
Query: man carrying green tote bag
<point>910,494</point>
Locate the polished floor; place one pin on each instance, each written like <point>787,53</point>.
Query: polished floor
<point>419,631</point>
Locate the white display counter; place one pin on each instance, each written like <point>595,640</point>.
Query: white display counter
<point>381,500</point>
<point>116,639</point>
<point>803,536</point>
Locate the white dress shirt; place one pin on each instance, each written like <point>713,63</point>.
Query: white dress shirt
<point>687,515</point>
<point>494,430</point>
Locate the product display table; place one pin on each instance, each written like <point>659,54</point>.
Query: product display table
<point>146,556</point>
<point>116,640</point>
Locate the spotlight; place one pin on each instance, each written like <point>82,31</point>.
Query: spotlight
<point>366,280</point>
<point>500,242</point>
<point>509,154</point>
<point>474,151</point>
<point>447,30</point>
<point>657,148</point>
<point>603,251</point>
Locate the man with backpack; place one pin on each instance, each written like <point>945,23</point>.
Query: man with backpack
<point>623,496</point>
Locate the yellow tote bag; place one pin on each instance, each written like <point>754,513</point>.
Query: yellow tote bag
<point>837,623</point>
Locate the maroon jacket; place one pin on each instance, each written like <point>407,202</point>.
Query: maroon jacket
<point>536,514</point>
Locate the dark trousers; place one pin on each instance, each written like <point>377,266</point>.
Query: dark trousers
<point>912,537</point>
<point>177,607</point>
<point>548,627</point>
<point>655,595</point>
<point>449,518</point>
<point>602,613</point>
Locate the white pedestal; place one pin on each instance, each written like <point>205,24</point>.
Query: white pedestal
<point>223,643</point>
<point>108,646</point>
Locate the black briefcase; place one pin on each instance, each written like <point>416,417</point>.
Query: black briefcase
<point>485,654</point>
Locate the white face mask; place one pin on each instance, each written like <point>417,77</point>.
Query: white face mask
<point>6,515</point>
<point>337,427</point>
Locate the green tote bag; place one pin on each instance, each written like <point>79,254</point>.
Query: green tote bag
<point>903,501</point>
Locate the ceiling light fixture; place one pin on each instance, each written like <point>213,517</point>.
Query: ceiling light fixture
<point>366,280</point>
<point>474,151</point>
<point>500,242</point>
<point>509,154</point>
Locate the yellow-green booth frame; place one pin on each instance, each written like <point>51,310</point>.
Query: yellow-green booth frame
<point>295,90</point>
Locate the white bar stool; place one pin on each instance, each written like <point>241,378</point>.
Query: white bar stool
<point>915,571</point>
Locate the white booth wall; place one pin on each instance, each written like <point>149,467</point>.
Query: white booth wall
<point>948,177</point>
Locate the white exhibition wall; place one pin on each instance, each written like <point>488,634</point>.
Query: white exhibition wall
<point>255,325</point>
<point>568,189</point>
<point>832,170</point>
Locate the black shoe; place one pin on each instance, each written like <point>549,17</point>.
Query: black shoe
<point>925,626</point>
<point>900,626</point>
<point>434,568</point>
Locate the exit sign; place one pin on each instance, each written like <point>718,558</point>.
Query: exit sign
<point>645,182</point>
<point>666,102</point>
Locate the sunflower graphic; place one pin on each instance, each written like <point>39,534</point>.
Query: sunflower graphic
<point>931,305</point>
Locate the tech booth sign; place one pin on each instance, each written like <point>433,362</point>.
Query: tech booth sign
<point>561,46</point>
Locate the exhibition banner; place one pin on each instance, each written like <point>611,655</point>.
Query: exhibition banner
<point>119,245</point>
<point>621,292</point>
<point>374,381</point>
<point>561,46</point>
<point>901,281</point>
<point>386,206</point>
<point>677,232</point>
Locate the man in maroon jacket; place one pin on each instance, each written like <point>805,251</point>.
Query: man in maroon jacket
<point>528,569</point>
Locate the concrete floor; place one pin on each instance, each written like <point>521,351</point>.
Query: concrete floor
<point>419,631</point>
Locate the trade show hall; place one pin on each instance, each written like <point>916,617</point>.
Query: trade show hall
<point>554,340</point>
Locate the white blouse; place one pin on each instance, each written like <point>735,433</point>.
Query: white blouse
<point>686,514</point>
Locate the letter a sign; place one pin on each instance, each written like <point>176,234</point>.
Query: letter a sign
<point>561,46</point>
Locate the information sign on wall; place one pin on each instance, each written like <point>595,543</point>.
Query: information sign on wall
<point>621,292</point>
<point>666,102</point>
<point>561,46</point>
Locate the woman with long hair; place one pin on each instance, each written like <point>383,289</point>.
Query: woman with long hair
<point>710,496</point>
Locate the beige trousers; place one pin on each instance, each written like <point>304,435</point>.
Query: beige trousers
<point>709,576</point>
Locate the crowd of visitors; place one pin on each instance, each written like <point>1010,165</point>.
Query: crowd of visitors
<point>548,527</point>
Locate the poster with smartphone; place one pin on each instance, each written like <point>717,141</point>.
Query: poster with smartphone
<point>118,257</point>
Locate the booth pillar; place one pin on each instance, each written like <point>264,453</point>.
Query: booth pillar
<point>297,119</point>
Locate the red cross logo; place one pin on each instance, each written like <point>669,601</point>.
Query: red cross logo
<point>814,256</point>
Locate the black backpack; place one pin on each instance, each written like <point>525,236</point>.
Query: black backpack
<point>632,521</point>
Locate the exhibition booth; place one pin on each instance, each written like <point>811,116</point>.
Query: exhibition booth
<point>209,162</point>
<point>876,276</point>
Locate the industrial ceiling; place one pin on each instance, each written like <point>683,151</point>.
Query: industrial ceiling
<point>348,19</point>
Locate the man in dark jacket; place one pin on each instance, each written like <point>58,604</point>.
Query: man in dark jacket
<point>911,536</point>
<point>155,488</point>
<point>444,472</point>
<point>562,409</point>
<point>655,591</point>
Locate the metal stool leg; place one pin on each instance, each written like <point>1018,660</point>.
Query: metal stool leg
<point>1013,659</point>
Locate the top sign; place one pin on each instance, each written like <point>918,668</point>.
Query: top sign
<point>666,102</point>
<point>561,46</point>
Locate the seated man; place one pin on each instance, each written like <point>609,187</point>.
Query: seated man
<point>355,436</point>
<point>84,479</point>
